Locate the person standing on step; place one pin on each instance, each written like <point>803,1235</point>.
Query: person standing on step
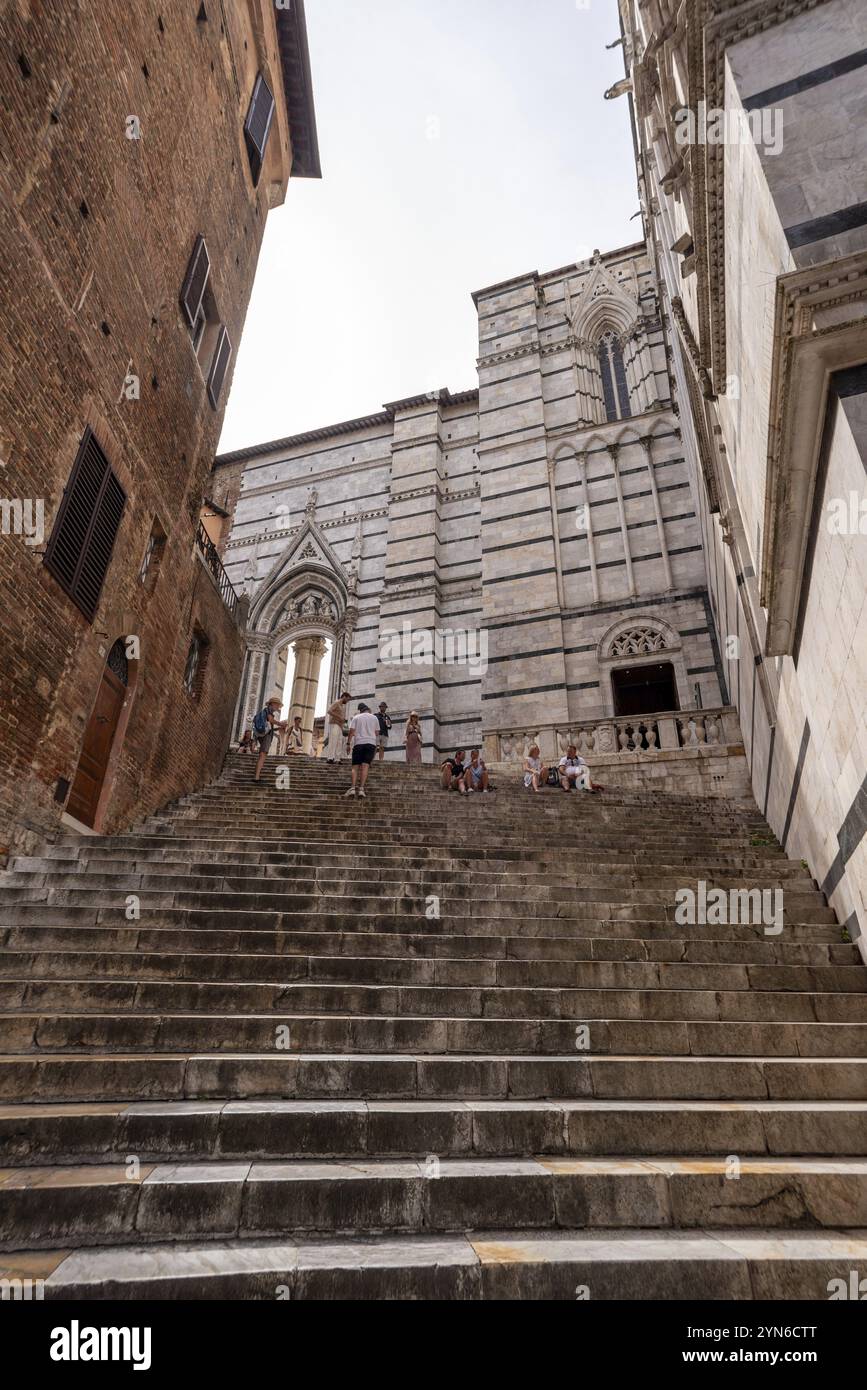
<point>363,739</point>
<point>263,731</point>
<point>453,772</point>
<point>335,720</point>
<point>384,728</point>
<point>412,737</point>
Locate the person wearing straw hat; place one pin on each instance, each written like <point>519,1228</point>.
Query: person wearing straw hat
<point>263,731</point>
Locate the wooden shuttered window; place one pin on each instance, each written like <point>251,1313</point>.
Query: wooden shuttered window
<point>219,366</point>
<point>195,282</point>
<point>81,543</point>
<point>257,126</point>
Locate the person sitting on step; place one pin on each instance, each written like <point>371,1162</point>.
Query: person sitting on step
<point>295,738</point>
<point>535,771</point>
<point>264,726</point>
<point>453,772</point>
<point>363,740</point>
<point>476,774</point>
<point>574,771</point>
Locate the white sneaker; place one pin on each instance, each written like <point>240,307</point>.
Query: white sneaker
<point>351,792</point>
<point>363,794</point>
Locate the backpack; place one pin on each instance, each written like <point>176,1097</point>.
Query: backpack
<point>261,724</point>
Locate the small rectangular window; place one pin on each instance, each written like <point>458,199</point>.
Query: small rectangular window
<point>219,367</point>
<point>153,554</point>
<point>197,659</point>
<point>80,547</point>
<point>195,283</point>
<point>257,126</point>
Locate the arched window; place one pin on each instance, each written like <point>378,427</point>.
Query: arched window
<point>614,388</point>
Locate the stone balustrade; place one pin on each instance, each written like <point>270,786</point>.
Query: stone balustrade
<point>667,733</point>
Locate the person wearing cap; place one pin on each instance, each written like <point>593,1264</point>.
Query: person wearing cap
<point>384,727</point>
<point>363,738</point>
<point>263,731</point>
<point>334,722</point>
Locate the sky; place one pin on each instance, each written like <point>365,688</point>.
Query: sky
<point>463,142</point>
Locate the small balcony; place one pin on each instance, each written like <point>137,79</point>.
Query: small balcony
<point>214,565</point>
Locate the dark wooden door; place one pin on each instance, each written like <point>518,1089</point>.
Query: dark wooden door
<point>84,797</point>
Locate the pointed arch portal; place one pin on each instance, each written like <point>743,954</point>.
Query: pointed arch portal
<point>306,601</point>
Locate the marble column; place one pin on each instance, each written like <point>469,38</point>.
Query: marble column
<point>624,529</point>
<point>309,652</point>
<point>660,521</point>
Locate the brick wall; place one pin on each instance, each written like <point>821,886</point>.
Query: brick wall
<point>96,231</point>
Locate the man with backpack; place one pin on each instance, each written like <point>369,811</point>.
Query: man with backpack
<point>263,731</point>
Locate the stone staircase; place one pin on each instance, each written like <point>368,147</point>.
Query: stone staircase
<point>274,1043</point>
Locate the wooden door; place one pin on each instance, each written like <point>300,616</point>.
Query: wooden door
<point>86,789</point>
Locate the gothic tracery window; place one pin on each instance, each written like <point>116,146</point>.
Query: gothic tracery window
<point>614,388</point>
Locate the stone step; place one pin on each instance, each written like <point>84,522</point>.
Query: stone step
<point>134,940</point>
<point>85,1080</point>
<point>655,904</point>
<point>341,1128</point>
<point>390,859</point>
<point>417,883</point>
<point>275,971</point>
<point>581,1003</point>
<point>104,1205</point>
<point>619,1265</point>
<point>632,921</point>
<point>56,1031</point>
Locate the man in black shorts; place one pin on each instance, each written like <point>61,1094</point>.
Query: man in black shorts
<point>453,772</point>
<point>363,738</point>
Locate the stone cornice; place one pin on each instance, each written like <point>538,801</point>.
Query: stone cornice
<point>820,325</point>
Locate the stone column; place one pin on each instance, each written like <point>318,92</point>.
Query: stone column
<point>621,508</point>
<point>555,527</point>
<point>309,652</point>
<point>591,541</point>
<point>660,523</point>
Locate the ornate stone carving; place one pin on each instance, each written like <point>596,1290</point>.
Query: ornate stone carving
<point>640,641</point>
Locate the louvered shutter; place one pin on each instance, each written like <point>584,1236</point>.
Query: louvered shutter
<point>219,366</point>
<point>195,281</point>
<point>258,125</point>
<point>80,547</point>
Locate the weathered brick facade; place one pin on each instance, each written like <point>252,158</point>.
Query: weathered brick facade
<point>96,233</point>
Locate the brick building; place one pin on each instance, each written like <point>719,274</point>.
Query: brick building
<point>141,150</point>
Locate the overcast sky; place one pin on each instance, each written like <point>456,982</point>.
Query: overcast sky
<point>463,142</point>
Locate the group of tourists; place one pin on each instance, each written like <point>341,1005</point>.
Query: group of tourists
<point>366,735</point>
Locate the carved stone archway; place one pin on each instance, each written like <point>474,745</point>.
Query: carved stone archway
<point>307,599</point>
<point>641,639</point>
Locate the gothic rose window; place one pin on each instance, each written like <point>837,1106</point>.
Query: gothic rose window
<point>639,642</point>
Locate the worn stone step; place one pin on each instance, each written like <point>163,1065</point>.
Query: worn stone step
<point>281,969</point>
<point>501,1265</point>
<point>225,1032</point>
<point>114,1077</point>
<point>222,1200</point>
<point>579,1004</point>
<point>628,922</point>
<point>400,1127</point>
<point>133,939</point>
